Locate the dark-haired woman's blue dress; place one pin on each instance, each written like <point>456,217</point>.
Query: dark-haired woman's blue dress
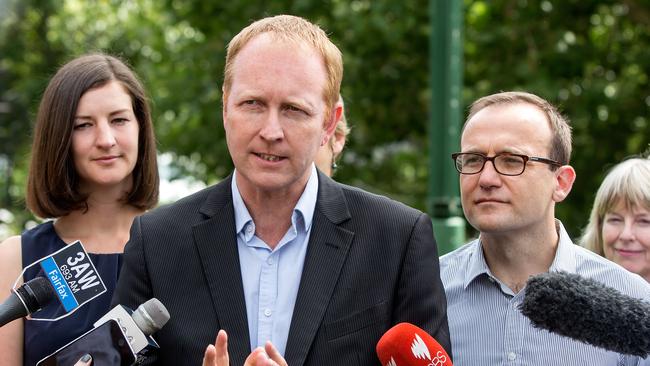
<point>42,338</point>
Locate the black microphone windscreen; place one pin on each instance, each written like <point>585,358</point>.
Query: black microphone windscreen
<point>588,311</point>
<point>36,293</point>
<point>26,299</point>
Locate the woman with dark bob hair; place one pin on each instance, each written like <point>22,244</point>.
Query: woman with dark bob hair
<point>93,169</point>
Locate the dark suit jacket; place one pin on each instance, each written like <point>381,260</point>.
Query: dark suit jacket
<point>371,263</point>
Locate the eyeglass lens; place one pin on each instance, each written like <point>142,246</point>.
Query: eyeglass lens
<point>506,164</point>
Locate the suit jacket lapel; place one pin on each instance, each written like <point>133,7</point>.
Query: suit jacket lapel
<point>216,242</point>
<point>328,248</point>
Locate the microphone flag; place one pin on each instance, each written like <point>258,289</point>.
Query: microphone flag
<point>72,275</point>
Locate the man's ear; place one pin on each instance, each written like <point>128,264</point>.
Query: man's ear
<point>564,176</point>
<point>330,123</point>
<point>224,105</point>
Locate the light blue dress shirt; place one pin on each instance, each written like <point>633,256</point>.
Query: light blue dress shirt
<point>271,277</point>
<point>487,328</point>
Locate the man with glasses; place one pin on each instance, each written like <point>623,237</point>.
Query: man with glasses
<point>513,165</point>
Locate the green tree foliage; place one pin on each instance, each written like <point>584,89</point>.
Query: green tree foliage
<point>26,58</point>
<point>590,57</point>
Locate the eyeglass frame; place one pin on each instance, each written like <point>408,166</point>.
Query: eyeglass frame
<point>486,158</point>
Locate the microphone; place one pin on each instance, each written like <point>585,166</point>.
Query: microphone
<point>138,325</point>
<point>121,337</point>
<point>407,345</point>
<point>29,298</point>
<point>588,311</point>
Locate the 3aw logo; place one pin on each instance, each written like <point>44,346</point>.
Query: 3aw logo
<point>73,276</point>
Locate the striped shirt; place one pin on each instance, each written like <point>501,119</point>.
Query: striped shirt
<point>487,328</point>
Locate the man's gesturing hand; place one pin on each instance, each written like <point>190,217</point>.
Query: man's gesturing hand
<point>217,354</point>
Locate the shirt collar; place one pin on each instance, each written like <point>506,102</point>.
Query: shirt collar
<point>477,264</point>
<point>564,257</point>
<point>307,202</point>
<point>304,207</point>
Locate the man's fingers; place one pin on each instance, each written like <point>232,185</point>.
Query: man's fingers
<point>217,354</point>
<point>256,357</point>
<point>209,357</point>
<point>221,346</point>
<point>267,356</point>
<point>274,354</point>
<point>259,358</point>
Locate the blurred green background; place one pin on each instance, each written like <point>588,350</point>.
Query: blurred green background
<point>592,58</point>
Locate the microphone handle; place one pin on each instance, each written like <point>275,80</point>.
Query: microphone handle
<point>12,309</point>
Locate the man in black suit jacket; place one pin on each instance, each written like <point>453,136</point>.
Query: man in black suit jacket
<point>369,262</point>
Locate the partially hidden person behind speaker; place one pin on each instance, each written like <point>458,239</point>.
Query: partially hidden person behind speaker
<point>93,169</point>
<point>328,156</point>
<point>278,262</point>
<point>514,168</point>
<point>619,224</point>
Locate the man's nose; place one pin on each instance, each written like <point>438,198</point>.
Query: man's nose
<point>489,177</point>
<point>272,129</point>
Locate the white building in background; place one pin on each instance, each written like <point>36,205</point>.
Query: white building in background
<point>171,190</point>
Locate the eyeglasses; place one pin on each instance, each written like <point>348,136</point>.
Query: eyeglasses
<point>505,164</point>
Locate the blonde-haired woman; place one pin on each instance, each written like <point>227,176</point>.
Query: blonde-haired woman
<point>619,224</point>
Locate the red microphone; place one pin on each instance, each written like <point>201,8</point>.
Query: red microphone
<point>407,345</point>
